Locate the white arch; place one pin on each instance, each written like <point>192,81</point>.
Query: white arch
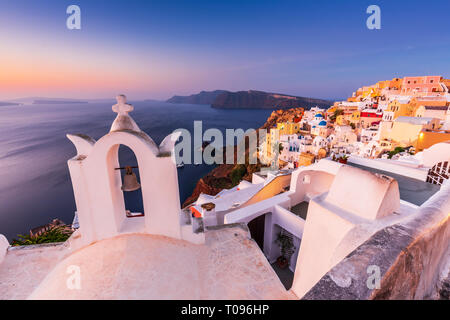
<point>97,187</point>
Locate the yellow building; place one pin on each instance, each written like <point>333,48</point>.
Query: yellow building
<point>372,91</point>
<point>355,118</point>
<point>400,109</point>
<point>406,130</point>
<point>286,128</point>
<point>305,159</point>
<point>383,84</point>
<point>273,137</point>
<point>340,120</point>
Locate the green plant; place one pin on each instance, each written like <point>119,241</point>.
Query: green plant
<point>395,151</point>
<point>285,243</point>
<point>336,113</point>
<point>280,147</point>
<point>55,234</point>
<point>237,173</point>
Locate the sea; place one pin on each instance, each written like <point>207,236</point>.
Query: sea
<point>35,185</point>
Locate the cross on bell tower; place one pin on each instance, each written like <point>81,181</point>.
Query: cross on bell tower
<point>123,120</point>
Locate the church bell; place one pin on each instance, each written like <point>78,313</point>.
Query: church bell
<point>130,182</point>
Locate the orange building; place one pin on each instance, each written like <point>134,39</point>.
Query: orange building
<point>395,83</point>
<point>428,138</point>
<point>446,82</point>
<point>439,101</point>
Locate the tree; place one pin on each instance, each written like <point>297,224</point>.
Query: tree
<point>280,147</point>
<point>237,173</point>
<point>336,113</point>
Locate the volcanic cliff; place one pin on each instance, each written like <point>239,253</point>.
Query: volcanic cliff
<point>226,176</point>
<point>250,99</point>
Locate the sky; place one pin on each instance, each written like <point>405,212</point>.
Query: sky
<point>156,49</point>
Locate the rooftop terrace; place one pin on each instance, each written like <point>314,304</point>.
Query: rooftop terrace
<point>411,190</point>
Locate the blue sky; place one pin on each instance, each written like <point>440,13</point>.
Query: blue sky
<point>154,49</point>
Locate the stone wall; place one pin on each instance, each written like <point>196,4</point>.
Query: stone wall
<point>413,258</point>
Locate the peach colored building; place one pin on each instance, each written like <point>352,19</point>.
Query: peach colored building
<point>424,84</point>
<point>439,112</point>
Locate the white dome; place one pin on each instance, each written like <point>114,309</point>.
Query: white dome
<point>138,266</point>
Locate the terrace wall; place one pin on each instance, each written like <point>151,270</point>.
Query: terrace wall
<point>413,258</point>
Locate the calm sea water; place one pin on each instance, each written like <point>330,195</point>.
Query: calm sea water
<point>35,185</point>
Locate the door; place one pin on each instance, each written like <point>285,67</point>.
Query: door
<point>256,227</point>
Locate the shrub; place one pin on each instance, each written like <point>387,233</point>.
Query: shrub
<point>237,173</point>
<point>55,234</point>
<point>395,151</point>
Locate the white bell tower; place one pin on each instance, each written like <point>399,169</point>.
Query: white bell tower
<point>97,184</point>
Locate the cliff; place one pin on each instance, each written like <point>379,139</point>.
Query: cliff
<point>204,97</point>
<point>264,100</point>
<point>226,176</point>
<point>249,100</point>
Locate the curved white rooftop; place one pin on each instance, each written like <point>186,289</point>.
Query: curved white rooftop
<point>141,266</point>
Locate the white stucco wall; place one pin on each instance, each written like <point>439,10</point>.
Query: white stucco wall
<point>356,198</point>
<point>309,181</point>
<point>4,245</point>
<point>370,196</point>
<point>436,153</point>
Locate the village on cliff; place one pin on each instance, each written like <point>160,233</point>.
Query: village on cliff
<point>394,119</point>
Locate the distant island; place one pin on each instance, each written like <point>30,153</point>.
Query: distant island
<point>40,100</point>
<point>3,103</point>
<point>251,99</point>
<point>57,101</point>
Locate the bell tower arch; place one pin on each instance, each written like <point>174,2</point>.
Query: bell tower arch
<point>98,185</point>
